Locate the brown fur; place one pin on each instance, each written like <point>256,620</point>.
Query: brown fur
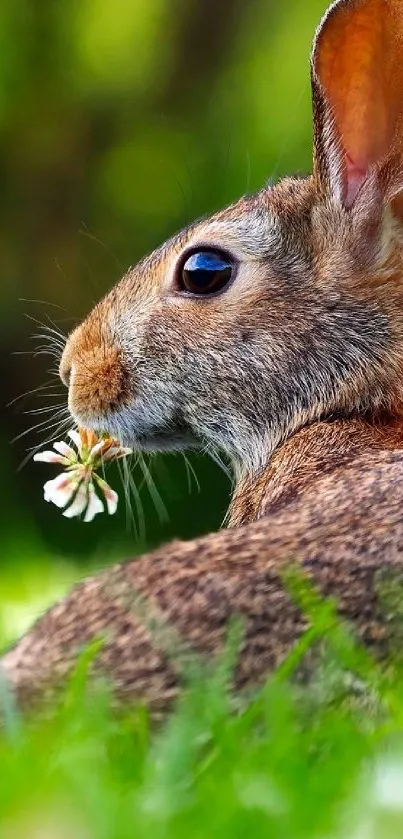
<point>321,449</point>
<point>294,371</point>
<point>345,527</point>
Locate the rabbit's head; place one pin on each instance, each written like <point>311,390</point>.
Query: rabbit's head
<point>287,306</point>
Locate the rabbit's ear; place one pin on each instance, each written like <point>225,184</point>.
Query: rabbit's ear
<point>357,87</point>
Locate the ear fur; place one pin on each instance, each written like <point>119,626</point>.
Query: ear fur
<point>357,90</point>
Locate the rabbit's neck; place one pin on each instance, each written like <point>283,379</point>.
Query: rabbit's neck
<point>300,463</point>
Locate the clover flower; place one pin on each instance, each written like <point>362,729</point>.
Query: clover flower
<point>78,489</point>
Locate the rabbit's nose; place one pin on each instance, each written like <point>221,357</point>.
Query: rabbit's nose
<point>65,374</point>
<point>66,363</point>
<point>65,370</point>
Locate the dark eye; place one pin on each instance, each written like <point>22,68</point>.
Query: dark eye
<point>205,272</point>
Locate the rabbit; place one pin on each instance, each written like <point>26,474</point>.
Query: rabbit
<point>271,332</point>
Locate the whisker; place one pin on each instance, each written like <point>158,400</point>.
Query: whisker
<point>156,498</point>
<point>135,492</point>
<point>48,409</point>
<point>46,351</point>
<point>32,353</point>
<point>126,491</point>
<point>50,341</point>
<point>35,390</point>
<point>107,250</point>
<point>190,472</point>
<point>42,302</point>
<point>63,426</point>
<point>50,335</point>
<point>45,326</point>
<point>137,523</point>
<point>64,423</point>
<point>36,427</point>
<point>212,452</point>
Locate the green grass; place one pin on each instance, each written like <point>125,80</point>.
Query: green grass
<point>320,759</point>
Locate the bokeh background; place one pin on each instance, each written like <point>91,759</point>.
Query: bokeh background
<point>121,121</point>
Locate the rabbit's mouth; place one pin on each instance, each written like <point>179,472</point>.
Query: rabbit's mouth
<point>140,431</point>
<point>166,438</point>
<point>165,442</point>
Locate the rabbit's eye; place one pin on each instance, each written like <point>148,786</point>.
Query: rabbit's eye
<point>205,272</point>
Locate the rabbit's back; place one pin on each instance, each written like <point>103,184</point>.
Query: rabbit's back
<point>345,531</point>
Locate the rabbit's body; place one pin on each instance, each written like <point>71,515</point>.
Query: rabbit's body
<point>343,523</point>
<point>273,332</point>
<point>323,452</point>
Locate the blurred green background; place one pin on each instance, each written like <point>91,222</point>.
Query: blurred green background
<point>121,121</point>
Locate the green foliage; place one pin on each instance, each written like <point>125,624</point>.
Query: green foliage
<point>293,761</point>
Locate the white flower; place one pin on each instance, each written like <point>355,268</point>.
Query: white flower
<point>111,497</point>
<point>95,504</point>
<point>51,457</point>
<point>86,500</point>
<point>79,502</point>
<point>61,489</point>
<point>75,490</point>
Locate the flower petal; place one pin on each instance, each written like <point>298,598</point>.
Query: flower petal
<point>111,497</point>
<point>50,457</point>
<point>60,489</point>
<point>88,438</point>
<point>95,504</point>
<point>79,502</point>
<point>98,448</point>
<point>65,450</point>
<point>75,437</point>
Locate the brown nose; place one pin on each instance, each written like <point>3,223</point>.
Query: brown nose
<point>65,372</point>
<point>96,378</point>
<point>66,365</point>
